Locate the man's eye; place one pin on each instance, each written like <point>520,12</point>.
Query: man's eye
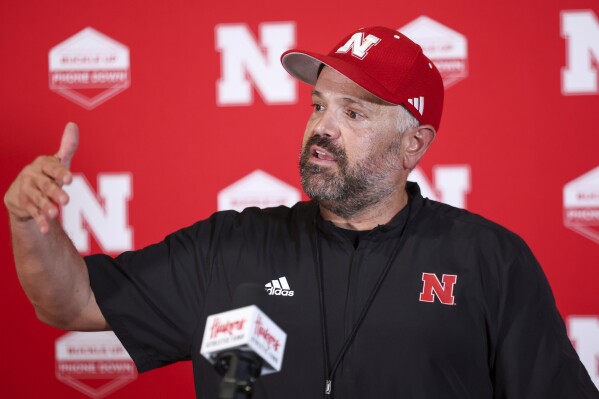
<point>353,114</point>
<point>317,107</point>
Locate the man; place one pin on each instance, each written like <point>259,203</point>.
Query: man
<point>394,295</point>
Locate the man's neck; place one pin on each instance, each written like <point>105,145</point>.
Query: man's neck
<point>368,218</point>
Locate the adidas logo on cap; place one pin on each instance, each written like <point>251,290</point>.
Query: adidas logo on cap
<point>278,287</point>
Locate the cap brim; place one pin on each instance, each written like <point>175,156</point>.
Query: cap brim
<point>304,66</point>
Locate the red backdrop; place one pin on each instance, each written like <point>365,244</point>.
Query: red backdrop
<point>519,131</point>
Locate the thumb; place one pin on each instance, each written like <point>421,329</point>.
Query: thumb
<point>68,144</point>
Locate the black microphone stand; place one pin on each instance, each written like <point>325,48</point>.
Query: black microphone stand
<point>239,369</point>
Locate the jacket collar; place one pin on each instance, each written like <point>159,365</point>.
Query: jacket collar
<point>382,231</point>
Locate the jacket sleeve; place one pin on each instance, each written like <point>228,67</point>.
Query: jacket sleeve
<point>152,298</point>
<point>534,356</point>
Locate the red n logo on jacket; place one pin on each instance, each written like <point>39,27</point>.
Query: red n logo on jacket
<point>432,287</point>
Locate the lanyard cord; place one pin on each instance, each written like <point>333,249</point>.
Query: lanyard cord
<point>330,372</point>
<point>323,312</point>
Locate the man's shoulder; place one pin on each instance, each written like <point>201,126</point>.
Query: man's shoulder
<point>439,217</point>
<point>250,223</point>
<point>257,218</point>
<point>282,213</point>
<point>462,222</point>
<point>467,235</point>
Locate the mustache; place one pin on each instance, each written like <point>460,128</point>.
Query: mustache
<point>327,144</point>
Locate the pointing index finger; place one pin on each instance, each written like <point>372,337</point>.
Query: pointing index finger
<point>68,144</point>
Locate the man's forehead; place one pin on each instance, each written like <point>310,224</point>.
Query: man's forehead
<point>332,83</point>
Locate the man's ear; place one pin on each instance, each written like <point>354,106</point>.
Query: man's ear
<point>415,143</point>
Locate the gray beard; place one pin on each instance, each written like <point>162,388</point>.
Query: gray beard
<point>348,190</point>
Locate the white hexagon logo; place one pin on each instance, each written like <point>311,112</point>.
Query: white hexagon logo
<point>583,332</point>
<point>94,363</point>
<point>581,205</point>
<point>447,48</point>
<point>257,189</point>
<point>89,68</point>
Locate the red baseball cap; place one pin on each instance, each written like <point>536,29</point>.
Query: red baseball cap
<point>384,62</point>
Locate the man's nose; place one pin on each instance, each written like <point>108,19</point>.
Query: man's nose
<point>327,124</point>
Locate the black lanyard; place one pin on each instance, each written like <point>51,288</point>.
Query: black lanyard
<point>330,371</point>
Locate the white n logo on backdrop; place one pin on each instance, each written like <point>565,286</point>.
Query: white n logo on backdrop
<point>581,31</point>
<point>245,62</point>
<point>105,215</point>
<point>451,184</point>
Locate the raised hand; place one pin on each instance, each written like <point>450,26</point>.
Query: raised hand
<point>37,193</point>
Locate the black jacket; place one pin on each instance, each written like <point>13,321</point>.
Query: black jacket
<point>464,310</point>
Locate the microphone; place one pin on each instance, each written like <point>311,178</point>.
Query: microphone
<point>243,343</point>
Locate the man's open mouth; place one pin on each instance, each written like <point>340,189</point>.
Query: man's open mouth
<point>321,154</point>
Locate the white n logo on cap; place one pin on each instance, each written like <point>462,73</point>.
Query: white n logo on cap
<point>418,103</point>
<point>359,45</point>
